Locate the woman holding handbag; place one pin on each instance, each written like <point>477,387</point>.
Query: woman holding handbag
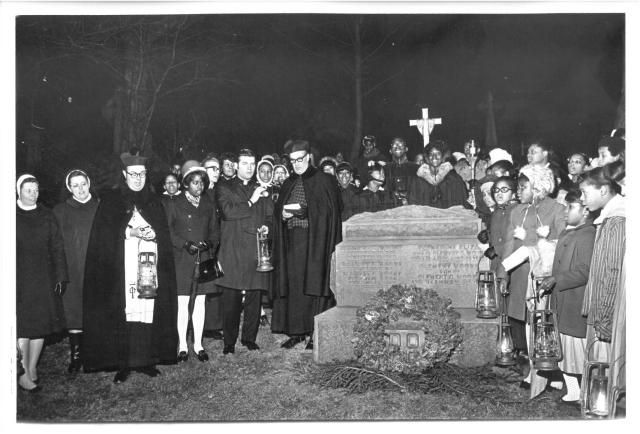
<point>194,234</point>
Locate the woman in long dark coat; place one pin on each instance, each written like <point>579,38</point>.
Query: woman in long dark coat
<point>75,217</point>
<point>193,226</point>
<point>437,184</point>
<point>41,273</point>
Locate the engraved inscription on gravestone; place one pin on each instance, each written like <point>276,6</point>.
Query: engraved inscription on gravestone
<point>446,266</point>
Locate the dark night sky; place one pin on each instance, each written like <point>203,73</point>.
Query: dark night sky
<point>554,76</point>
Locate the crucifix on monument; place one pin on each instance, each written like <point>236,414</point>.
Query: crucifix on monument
<point>420,123</point>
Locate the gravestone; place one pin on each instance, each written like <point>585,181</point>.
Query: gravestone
<point>410,245</point>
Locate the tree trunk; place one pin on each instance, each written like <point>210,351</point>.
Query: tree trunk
<point>620,113</point>
<point>491,138</point>
<point>357,131</point>
<point>132,109</point>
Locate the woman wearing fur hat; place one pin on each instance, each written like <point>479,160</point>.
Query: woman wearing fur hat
<point>194,230</point>
<point>41,275</point>
<point>75,218</point>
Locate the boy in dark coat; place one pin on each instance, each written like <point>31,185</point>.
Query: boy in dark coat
<point>567,282</point>
<point>121,330</point>
<point>348,191</point>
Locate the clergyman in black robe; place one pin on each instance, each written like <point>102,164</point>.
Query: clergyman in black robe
<point>122,331</point>
<point>307,227</point>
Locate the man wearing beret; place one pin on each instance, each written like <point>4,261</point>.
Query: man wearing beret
<point>129,300</point>
<point>307,227</point>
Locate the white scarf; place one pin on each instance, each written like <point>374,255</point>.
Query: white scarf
<point>136,309</point>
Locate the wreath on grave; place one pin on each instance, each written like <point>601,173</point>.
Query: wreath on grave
<point>425,310</point>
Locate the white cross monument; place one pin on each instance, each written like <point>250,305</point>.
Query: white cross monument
<point>420,123</point>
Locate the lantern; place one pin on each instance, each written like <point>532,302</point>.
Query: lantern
<point>598,396</point>
<point>594,399</point>
<point>544,340</point>
<point>263,244</point>
<point>400,192</point>
<point>147,275</point>
<point>504,345</point>
<point>486,295</point>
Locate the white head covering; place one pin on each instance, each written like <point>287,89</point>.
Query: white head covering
<point>458,156</point>
<point>21,180</point>
<point>541,178</point>
<point>486,186</point>
<point>265,160</point>
<point>498,154</point>
<point>82,172</point>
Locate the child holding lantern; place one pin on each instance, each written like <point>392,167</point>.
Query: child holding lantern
<point>567,286</point>
<point>538,217</point>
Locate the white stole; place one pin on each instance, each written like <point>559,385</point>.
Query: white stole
<point>136,309</point>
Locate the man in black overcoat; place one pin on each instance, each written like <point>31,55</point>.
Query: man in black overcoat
<point>400,172</point>
<point>124,332</point>
<point>244,207</point>
<point>307,227</point>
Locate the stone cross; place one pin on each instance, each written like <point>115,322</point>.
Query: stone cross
<point>420,123</point>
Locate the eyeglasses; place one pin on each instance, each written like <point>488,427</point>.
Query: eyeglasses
<point>213,168</point>
<point>135,175</point>
<point>297,160</point>
<point>501,190</point>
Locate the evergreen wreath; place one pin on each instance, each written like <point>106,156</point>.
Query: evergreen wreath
<point>437,318</point>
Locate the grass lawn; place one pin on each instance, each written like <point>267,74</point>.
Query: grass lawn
<point>265,385</point>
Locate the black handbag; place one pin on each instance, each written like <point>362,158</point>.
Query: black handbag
<point>209,269</point>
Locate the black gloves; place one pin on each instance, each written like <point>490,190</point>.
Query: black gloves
<point>491,253</point>
<point>60,288</point>
<point>191,247</point>
<point>483,236</point>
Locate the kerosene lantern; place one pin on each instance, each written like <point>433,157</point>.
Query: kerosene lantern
<point>594,396</point>
<point>147,275</point>
<point>263,244</point>
<point>505,350</point>
<point>544,341</point>
<point>486,295</point>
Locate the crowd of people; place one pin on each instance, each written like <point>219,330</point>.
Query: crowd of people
<point>122,265</point>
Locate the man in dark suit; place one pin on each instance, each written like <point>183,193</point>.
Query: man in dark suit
<point>244,207</point>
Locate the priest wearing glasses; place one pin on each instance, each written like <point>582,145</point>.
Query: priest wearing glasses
<point>307,227</point>
<point>129,300</point>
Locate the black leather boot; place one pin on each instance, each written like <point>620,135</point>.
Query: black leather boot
<point>74,344</point>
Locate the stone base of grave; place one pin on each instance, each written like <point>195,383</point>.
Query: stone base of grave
<point>333,333</point>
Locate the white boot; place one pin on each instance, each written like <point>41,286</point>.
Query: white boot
<point>573,388</point>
